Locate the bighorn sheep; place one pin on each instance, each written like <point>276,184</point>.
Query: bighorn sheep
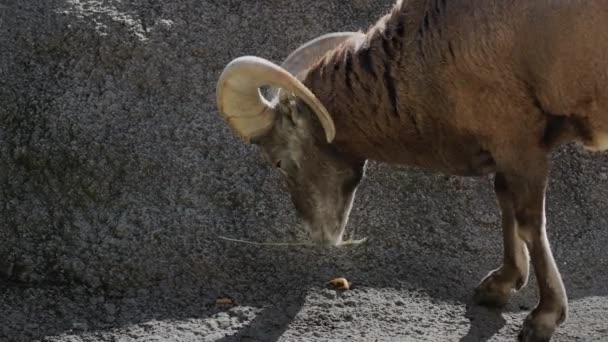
<point>464,87</point>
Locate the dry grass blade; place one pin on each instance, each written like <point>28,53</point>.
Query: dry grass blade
<point>294,243</point>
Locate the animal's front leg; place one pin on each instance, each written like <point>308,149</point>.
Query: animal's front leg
<point>497,287</point>
<point>527,186</point>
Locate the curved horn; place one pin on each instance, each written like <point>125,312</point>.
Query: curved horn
<point>308,53</point>
<point>241,103</point>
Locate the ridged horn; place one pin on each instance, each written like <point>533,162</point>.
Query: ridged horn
<point>247,112</point>
<point>302,58</point>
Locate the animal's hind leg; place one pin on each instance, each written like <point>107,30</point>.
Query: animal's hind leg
<point>525,176</point>
<point>497,287</point>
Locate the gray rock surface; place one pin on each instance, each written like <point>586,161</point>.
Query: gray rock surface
<point>118,175</point>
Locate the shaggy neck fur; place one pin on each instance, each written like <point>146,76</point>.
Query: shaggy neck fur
<point>361,86</point>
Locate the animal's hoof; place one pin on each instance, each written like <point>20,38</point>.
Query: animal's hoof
<point>532,331</point>
<point>540,326</point>
<point>493,291</point>
<point>489,297</point>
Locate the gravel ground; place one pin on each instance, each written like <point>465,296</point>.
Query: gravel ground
<point>118,175</point>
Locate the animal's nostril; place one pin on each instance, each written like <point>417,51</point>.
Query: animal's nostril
<point>324,239</point>
<point>319,238</point>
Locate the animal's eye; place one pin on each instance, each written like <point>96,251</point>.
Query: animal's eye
<point>278,164</point>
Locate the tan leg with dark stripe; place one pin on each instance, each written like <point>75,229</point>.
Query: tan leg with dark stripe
<point>525,179</point>
<point>498,286</point>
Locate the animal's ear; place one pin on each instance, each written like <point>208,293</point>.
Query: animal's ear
<point>299,113</point>
<point>295,117</point>
<point>291,111</point>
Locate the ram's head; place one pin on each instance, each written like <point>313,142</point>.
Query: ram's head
<point>294,132</point>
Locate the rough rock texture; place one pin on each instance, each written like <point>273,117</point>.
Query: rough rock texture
<point>118,175</point>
